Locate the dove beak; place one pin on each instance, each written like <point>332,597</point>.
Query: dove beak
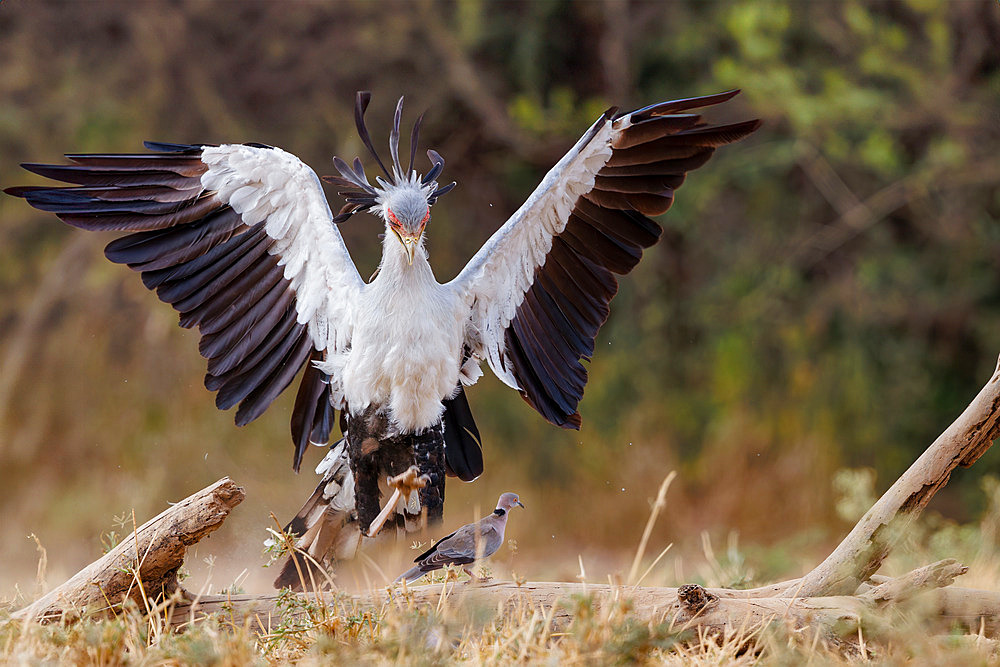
<point>521,504</point>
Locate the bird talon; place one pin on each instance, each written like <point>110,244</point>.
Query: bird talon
<point>409,481</point>
<point>403,485</point>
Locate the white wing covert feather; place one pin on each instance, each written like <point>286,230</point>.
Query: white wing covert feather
<point>501,272</point>
<point>240,240</point>
<point>539,289</point>
<point>283,192</point>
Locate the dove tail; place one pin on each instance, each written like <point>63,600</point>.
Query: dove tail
<point>412,574</point>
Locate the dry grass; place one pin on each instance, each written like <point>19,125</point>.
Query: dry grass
<point>400,633</point>
<point>460,631</point>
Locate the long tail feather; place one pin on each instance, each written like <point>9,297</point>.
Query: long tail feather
<point>463,449</point>
<point>326,527</point>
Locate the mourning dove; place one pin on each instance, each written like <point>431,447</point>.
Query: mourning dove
<point>474,540</point>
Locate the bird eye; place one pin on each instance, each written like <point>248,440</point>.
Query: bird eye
<point>392,217</point>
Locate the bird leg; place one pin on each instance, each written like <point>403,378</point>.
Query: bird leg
<point>474,579</point>
<point>428,454</point>
<point>403,485</point>
<point>367,446</point>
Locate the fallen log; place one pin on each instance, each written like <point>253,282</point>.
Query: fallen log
<point>685,607</point>
<point>144,565</point>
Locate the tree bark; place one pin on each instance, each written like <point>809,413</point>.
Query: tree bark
<point>145,564</point>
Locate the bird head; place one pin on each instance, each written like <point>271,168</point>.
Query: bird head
<point>406,212</point>
<point>507,501</point>
<point>403,198</point>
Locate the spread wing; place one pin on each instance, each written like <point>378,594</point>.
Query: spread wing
<point>240,240</point>
<point>541,285</point>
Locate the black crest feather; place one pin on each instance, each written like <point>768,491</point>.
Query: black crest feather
<point>360,106</point>
<point>358,192</point>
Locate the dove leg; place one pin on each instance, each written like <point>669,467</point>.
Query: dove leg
<point>473,579</point>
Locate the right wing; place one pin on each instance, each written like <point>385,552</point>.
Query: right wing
<point>541,286</point>
<point>240,240</point>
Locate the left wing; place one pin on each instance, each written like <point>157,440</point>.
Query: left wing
<point>540,287</point>
<point>240,240</point>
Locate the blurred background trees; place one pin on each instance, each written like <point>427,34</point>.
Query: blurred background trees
<point>826,293</point>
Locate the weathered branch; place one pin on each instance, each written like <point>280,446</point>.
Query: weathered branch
<point>688,606</point>
<point>861,553</point>
<point>145,564</point>
<point>935,575</point>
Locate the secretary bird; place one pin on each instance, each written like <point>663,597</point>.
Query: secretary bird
<point>240,239</point>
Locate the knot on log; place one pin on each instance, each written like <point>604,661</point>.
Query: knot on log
<point>693,598</point>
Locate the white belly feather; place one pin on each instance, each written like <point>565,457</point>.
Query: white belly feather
<point>405,351</point>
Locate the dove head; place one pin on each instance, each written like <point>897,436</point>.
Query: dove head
<point>507,501</point>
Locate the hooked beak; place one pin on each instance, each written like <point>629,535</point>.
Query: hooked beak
<point>409,241</point>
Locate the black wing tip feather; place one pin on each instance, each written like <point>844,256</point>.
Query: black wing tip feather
<point>163,147</point>
<point>22,191</point>
<point>572,422</point>
<point>681,104</point>
<point>725,134</point>
<point>554,327</point>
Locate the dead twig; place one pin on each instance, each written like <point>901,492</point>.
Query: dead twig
<point>152,555</point>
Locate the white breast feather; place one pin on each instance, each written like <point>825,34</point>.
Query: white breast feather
<point>406,347</point>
